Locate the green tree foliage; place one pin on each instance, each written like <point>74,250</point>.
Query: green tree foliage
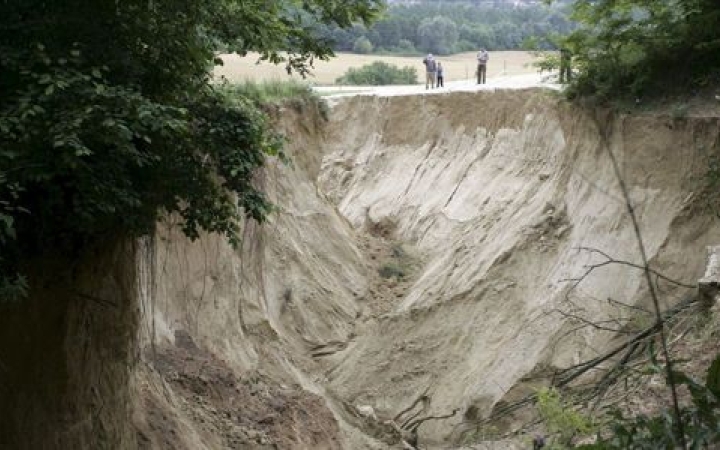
<point>263,93</point>
<point>405,46</point>
<point>437,35</point>
<point>561,419</point>
<point>640,47</point>
<point>479,36</point>
<point>492,26</point>
<point>700,416</point>
<point>377,74</point>
<point>362,45</point>
<point>108,120</point>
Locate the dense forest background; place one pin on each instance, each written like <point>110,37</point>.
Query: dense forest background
<point>444,27</point>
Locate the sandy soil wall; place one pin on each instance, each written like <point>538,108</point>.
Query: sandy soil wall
<point>508,196</point>
<point>501,198</point>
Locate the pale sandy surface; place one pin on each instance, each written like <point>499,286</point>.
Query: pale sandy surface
<point>457,67</point>
<point>523,81</point>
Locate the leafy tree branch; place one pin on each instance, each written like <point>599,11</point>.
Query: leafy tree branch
<point>109,120</point>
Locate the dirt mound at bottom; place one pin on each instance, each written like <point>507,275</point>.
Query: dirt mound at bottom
<point>247,411</point>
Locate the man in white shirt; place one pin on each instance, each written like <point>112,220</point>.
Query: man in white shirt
<point>482,58</point>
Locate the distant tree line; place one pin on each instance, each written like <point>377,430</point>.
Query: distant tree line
<point>444,28</point>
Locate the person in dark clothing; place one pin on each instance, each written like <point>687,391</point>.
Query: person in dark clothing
<point>440,75</point>
<point>565,70</point>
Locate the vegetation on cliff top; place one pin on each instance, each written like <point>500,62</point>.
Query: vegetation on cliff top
<point>644,48</point>
<point>108,119</point>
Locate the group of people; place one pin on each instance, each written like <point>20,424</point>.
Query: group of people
<point>434,72</point>
<point>434,76</point>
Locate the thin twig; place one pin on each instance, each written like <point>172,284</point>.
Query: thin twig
<point>612,301</point>
<point>659,275</point>
<point>421,398</point>
<point>415,424</point>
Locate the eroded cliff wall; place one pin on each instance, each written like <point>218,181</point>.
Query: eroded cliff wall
<point>509,197</point>
<point>423,245</point>
<point>501,199</point>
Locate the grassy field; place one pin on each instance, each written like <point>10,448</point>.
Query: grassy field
<point>457,67</point>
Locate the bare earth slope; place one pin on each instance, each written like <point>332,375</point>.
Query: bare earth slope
<point>437,248</point>
<point>496,196</point>
<point>487,201</point>
<point>502,193</point>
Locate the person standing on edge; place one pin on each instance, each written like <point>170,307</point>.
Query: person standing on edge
<point>565,71</point>
<point>482,58</point>
<point>430,69</point>
<point>440,77</point>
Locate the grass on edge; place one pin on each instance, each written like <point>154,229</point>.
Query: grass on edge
<point>269,91</point>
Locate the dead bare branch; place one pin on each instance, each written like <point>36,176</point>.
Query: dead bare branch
<point>630,350</point>
<point>424,398</point>
<point>598,325</point>
<point>658,275</point>
<point>414,425</point>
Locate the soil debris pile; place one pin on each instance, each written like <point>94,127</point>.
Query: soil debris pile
<point>232,411</point>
